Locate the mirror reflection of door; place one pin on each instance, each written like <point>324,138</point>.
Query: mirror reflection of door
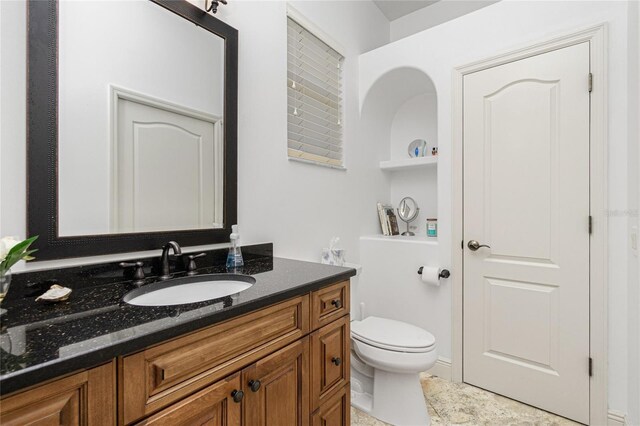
<point>164,170</point>
<point>156,59</point>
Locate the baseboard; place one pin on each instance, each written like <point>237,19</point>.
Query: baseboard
<point>616,418</point>
<point>442,369</point>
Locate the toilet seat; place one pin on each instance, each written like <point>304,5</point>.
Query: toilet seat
<point>392,335</point>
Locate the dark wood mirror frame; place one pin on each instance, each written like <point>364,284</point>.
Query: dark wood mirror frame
<point>42,142</point>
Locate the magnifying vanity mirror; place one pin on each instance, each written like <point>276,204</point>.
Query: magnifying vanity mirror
<point>408,211</point>
<point>132,116</point>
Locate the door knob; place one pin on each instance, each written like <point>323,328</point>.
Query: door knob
<point>336,361</point>
<point>474,245</point>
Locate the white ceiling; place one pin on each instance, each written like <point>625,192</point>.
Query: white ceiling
<point>394,9</point>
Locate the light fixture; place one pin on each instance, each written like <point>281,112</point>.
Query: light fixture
<point>212,5</point>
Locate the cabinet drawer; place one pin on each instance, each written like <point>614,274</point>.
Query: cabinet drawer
<point>214,405</point>
<point>335,411</point>
<point>329,304</point>
<point>161,375</point>
<point>330,355</point>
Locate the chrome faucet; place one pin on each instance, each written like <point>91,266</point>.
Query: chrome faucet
<point>164,261</point>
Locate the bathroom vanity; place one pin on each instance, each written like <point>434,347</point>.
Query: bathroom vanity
<point>277,353</point>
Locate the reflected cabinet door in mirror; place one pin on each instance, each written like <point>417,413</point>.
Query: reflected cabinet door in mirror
<point>132,126</point>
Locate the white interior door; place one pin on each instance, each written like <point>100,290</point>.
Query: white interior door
<point>526,195</point>
<point>164,171</point>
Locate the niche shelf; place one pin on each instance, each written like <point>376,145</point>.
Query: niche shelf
<point>408,163</point>
<point>416,239</point>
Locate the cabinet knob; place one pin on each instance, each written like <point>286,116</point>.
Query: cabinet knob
<point>254,385</point>
<point>337,303</point>
<point>237,395</point>
<point>336,360</point>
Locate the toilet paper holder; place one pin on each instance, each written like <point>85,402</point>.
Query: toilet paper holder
<point>444,273</point>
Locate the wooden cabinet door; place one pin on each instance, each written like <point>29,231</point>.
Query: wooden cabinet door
<point>330,359</point>
<point>277,388</point>
<point>214,405</point>
<point>86,398</point>
<point>335,411</point>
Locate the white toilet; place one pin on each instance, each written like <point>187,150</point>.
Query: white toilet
<point>386,359</point>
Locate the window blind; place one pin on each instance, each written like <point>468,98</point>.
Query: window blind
<point>314,93</point>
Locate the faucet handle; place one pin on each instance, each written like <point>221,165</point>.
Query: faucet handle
<point>138,274</point>
<point>191,267</point>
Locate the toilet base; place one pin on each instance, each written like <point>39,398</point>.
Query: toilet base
<point>362,401</point>
<point>399,399</point>
<point>361,385</point>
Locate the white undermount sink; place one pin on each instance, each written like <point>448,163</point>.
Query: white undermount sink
<point>180,291</point>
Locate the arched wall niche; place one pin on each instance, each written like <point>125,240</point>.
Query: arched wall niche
<point>399,107</point>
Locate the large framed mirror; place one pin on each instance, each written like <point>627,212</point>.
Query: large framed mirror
<point>132,126</point>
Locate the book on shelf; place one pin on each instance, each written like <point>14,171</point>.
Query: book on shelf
<point>393,222</point>
<point>383,220</point>
<point>388,219</point>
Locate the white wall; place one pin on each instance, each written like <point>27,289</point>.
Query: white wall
<point>12,118</point>
<point>297,206</point>
<point>487,32</point>
<point>417,118</point>
<point>147,50</point>
<point>435,14</point>
<point>300,206</point>
<point>390,287</point>
<point>634,219</point>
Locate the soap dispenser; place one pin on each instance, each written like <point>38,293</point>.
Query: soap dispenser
<point>234,258</point>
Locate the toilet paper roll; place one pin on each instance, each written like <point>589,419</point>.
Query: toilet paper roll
<point>430,275</point>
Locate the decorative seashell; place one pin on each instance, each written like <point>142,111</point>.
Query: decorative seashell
<point>56,293</point>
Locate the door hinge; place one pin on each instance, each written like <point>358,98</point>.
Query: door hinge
<point>590,82</point>
<point>590,225</point>
<point>462,244</point>
<point>590,367</point>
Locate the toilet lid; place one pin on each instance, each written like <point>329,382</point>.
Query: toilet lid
<point>394,335</point>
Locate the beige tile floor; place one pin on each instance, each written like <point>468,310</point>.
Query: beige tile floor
<point>462,404</point>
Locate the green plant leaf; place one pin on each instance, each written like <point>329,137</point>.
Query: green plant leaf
<point>21,246</point>
<point>17,253</point>
<point>27,254</point>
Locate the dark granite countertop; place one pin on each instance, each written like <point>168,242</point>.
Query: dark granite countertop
<point>43,341</point>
